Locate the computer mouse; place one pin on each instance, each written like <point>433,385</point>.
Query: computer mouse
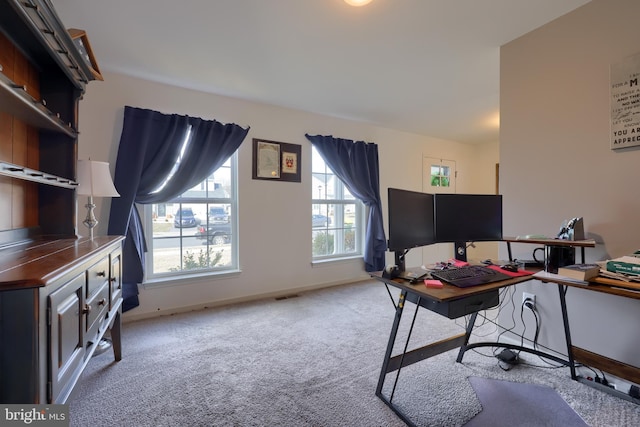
<point>510,267</point>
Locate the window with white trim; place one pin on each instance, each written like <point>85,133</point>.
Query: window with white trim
<point>439,175</point>
<point>337,217</point>
<point>195,233</point>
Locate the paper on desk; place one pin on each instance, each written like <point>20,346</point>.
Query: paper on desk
<point>619,276</point>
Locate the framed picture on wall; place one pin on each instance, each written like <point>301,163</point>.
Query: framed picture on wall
<point>276,161</point>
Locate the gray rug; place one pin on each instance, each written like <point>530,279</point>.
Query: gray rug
<point>312,360</point>
<point>508,404</point>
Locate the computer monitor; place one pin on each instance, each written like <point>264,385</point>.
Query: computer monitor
<point>462,218</point>
<point>410,222</point>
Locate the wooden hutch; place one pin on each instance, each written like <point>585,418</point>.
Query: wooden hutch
<point>59,294</point>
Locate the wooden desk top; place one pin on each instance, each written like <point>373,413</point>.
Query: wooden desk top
<point>589,243</point>
<point>447,292</point>
<point>602,284</point>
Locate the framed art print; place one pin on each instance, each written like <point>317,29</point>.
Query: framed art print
<point>276,161</point>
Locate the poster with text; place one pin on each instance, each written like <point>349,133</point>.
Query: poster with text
<point>625,103</point>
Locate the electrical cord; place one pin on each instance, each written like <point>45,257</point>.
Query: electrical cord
<point>536,345</point>
<point>507,300</point>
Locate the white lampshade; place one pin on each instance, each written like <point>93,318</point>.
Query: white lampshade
<point>94,179</point>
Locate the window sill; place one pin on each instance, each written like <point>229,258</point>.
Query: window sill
<point>325,261</point>
<point>160,282</point>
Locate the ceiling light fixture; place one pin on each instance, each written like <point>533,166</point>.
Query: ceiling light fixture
<point>357,2</point>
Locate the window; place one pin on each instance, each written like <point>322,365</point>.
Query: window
<point>196,232</point>
<point>336,215</point>
<point>439,175</point>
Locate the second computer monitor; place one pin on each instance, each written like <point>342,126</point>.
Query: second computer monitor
<point>468,217</point>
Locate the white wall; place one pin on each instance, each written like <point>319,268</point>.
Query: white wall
<point>274,235</point>
<point>556,162</point>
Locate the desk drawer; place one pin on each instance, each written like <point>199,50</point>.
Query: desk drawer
<point>459,307</point>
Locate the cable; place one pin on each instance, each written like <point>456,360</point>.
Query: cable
<point>536,346</point>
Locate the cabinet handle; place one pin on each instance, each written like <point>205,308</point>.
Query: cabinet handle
<point>101,274</point>
<point>87,309</point>
<point>103,301</point>
<point>112,279</point>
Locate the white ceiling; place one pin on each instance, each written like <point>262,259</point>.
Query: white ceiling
<point>424,66</point>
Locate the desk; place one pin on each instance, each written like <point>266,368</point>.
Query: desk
<point>454,302</point>
<point>450,301</point>
<point>577,354</point>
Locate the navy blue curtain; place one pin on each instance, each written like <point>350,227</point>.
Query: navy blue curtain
<point>356,164</point>
<point>150,145</point>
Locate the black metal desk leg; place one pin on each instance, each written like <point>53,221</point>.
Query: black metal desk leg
<point>463,347</point>
<point>567,332</point>
<point>392,340</point>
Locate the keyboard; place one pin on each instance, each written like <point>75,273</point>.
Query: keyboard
<point>470,275</point>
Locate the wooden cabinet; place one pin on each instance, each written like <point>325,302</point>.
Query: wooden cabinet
<point>42,78</point>
<point>57,301</point>
<point>59,295</point>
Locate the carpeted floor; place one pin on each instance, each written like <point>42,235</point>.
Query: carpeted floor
<point>312,360</point>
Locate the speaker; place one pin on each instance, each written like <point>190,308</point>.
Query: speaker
<point>460,249</point>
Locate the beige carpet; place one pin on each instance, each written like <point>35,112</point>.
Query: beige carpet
<point>313,360</point>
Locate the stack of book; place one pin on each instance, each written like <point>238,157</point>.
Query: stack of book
<point>625,265</point>
<point>580,271</point>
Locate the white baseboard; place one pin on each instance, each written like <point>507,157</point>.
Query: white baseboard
<point>132,316</point>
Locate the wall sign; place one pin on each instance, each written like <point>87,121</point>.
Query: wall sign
<point>625,103</point>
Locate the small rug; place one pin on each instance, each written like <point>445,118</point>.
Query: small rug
<point>506,403</point>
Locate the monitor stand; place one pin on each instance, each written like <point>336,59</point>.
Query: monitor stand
<point>460,249</point>
<point>400,262</point>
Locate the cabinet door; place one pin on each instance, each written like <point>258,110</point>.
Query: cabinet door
<point>66,350</point>
<point>115,279</point>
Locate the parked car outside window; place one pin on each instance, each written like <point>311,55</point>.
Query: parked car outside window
<point>185,218</point>
<point>218,215</point>
<point>318,220</point>
<point>215,234</point>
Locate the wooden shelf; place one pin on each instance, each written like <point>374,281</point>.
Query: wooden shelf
<point>20,172</point>
<point>41,15</point>
<point>15,100</point>
<point>588,243</point>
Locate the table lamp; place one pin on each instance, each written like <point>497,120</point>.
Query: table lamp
<point>94,180</point>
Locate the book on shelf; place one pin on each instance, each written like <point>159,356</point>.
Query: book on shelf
<point>580,271</point>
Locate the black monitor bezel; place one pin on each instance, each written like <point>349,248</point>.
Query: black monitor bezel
<point>398,202</point>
